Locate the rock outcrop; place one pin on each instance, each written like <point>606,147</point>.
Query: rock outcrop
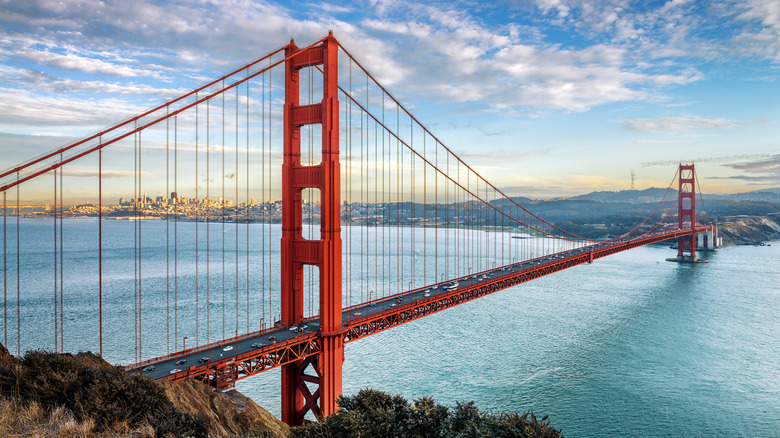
<point>749,230</point>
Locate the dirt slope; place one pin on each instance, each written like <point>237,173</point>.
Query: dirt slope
<point>226,414</point>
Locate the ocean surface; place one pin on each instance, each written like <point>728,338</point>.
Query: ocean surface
<point>631,345</point>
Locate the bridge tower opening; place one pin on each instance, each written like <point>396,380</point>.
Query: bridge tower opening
<point>325,368</point>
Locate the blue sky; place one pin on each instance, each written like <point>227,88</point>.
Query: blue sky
<point>548,97</point>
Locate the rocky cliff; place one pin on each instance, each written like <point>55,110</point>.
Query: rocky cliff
<point>749,230</point>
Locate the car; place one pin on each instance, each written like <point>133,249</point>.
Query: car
<point>227,348</point>
<point>175,370</point>
<point>272,339</point>
<point>427,293</point>
<point>257,345</point>
<point>293,328</point>
<point>148,369</point>
<point>181,361</point>
<point>392,304</point>
<point>356,314</point>
<point>371,304</point>
<point>303,327</point>
<point>203,360</point>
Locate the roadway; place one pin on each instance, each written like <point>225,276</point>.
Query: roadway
<point>177,364</point>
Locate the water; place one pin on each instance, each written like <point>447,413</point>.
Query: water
<point>627,346</point>
<point>630,345</point>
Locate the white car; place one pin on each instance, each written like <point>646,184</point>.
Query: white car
<point>293,328</point>
<point>175,370</point>
<point>257,345</point>
<point>227,348</point>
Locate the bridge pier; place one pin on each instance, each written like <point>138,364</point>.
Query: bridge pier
<point>297,398</point>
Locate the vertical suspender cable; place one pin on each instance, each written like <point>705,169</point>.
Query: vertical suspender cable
<point>376,212</point>
<point>399,203</point>
<point>100,244</point>
<point>176,233</point>
<point>167,238</point>
<point>140,258</point>
<point>18,278</point>
<point>135,242</point>
<point>349,192</point>
<point>197,233</point>
<point>208,221</point>
<point>247,204</point>
<point>5,270</point>
<point>384,203</point>
<point>62,266</point>
<point>56,323</point>
<point>222,213</point>
<point>235,178</point>
<point>270,175</point>
<point>263,202</point>
<point>412,242</point>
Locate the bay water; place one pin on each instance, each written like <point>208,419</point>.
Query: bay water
<point>631,345</point>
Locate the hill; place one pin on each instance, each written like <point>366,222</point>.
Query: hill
<point>48,394</point>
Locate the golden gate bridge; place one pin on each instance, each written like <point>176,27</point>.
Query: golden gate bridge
<point>380,223</point>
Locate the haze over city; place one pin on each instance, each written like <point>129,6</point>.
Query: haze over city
<point>548,98</point>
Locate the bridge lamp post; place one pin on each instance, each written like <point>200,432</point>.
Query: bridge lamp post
<point>184,344</point>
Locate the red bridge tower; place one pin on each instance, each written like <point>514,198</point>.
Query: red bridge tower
<point>686,209</point>
<point>297,398</point>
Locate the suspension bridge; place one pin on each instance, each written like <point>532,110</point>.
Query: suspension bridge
<point>303,207</point>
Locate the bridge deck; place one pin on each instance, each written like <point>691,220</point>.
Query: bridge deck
<point>222,363</point>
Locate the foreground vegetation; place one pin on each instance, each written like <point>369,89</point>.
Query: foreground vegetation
<point>82,395</point>
<point>46,394</point>
<point>373,413</point>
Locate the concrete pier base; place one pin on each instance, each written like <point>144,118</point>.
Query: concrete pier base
<point>686,259</point>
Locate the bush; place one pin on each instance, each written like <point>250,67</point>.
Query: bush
<point>94,391</point>
<point>373,413</point>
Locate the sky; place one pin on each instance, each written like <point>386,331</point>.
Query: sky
<point>546,97</point>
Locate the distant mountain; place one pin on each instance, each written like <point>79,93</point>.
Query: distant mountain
<point>654,194</point>
<point>765,195</point>
<point>627,196</point>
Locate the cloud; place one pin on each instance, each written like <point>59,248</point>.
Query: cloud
<point>32,110</point>
<point>765,171</point>
<point>762,37</point>
<point>70,61</point>
<point>677,124</point>
<point>703,160</point>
